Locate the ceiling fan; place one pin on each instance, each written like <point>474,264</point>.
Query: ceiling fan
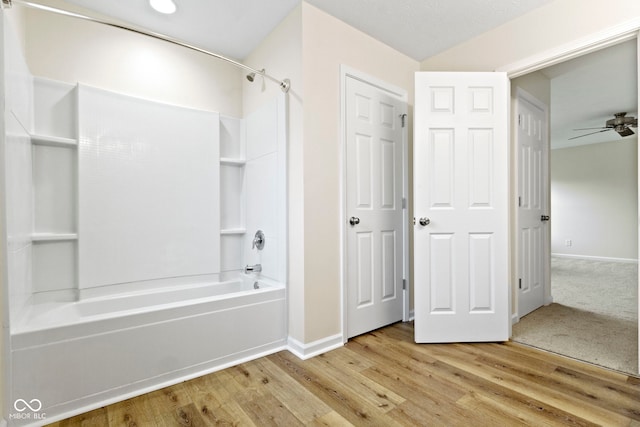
<point>619,123</point>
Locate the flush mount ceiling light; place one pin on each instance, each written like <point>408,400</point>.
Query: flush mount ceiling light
<point>163,6</point>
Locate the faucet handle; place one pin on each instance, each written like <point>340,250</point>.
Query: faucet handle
<point>258,240</point>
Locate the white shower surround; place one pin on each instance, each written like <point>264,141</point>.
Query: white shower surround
<point>148,192</point>
<point>77,344</point>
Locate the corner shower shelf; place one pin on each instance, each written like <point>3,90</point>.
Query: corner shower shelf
<point>53,237</point>
<point>230,231</point>
<point>53,141</point>
<point>232,162</point>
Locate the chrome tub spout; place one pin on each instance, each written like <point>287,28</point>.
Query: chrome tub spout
<point>257,268</point>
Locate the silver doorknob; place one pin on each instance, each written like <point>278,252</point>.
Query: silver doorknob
<point>424,221</point>
<point>354,220</point>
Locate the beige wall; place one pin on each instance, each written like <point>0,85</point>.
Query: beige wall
<point>594,196</point>
<point>550,26</point>
<point>281,55</point>
<point>309,47</point>
<point>326,44</point>
<point>536,84</point>
<point>72,50</point>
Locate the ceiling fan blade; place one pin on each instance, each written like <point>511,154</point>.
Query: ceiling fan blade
<point>592,133</point>
<point>625,132</point>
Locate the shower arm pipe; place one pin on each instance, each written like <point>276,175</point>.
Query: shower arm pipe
<point>284,84</point>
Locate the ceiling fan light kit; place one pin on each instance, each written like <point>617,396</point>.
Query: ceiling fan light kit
<point>620,123</point>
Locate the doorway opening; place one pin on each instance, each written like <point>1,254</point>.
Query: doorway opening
<point>594,209</point>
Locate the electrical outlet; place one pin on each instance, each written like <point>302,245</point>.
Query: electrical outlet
<point>568,242</point>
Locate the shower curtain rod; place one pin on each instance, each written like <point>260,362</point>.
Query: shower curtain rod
<point>284,84</point>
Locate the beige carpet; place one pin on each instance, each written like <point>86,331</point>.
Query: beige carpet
<point>594,316</point>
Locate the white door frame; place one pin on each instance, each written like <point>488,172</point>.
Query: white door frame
<point>600,40</point>
<point>522,94</point>
<point>348,72</point>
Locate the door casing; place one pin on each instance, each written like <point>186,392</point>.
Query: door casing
<point>600,40</point>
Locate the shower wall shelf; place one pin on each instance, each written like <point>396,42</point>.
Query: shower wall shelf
<point>232,193</point>
<point>54,157</point>
<point>53,237</point>
<point>53,141</point>
<point>232,231</point>
<point>232,162</point>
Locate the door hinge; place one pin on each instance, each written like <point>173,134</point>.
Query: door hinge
<point>519,283</point>
<point>519,119</point>
<point>519,201</point>
<point>404,284</point>
<point>403,118</point>
<point>404,203</point>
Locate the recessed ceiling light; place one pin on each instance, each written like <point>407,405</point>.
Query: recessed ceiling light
<point>163,6</point>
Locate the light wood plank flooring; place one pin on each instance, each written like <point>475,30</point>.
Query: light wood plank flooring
<point>382,378</point>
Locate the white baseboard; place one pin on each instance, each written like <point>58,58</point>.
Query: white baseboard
<point>301,350</point>
<point>596,258</point>
<point>514,318</point>
<point>309,350</point>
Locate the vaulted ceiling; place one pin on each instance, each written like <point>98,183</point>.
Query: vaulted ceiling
<point>585,91</point>
<point>418,28</point>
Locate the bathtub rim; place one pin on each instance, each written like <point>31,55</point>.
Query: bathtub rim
<point>34,319</point>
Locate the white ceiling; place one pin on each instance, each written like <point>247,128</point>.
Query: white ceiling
<point>586,91</point>
<point>229,27</point>
<point>589,90</point>
<point>418,28</point>
<point>423,28</point>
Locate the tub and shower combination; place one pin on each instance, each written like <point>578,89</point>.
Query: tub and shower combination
<point>129,226</point>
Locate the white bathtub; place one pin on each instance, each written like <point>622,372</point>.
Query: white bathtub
<point>77,356</point>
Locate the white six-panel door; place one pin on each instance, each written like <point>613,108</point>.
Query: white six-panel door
<point>532,220</point>
<point>374,221</point>
<point>461,181</point>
